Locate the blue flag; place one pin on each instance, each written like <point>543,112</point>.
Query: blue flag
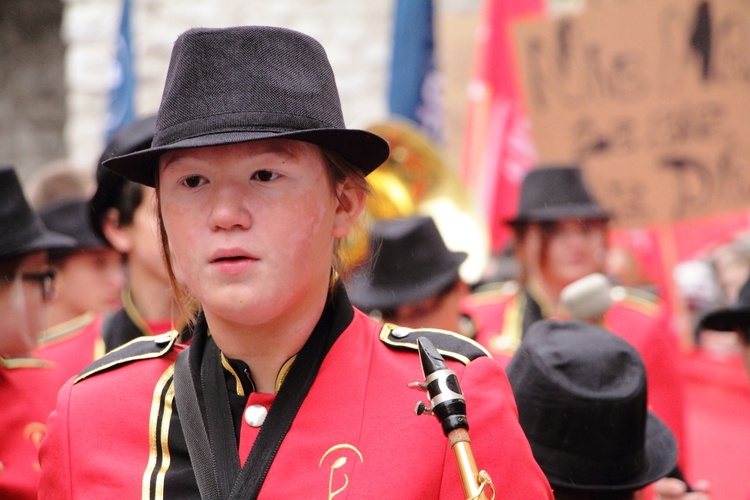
<point>121,106</point>
<point>415,86</point>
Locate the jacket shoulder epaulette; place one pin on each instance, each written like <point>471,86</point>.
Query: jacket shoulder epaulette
<point>451,345</point>
<point>493,293</point>
<point>141,348</point>
<point>638,299</point>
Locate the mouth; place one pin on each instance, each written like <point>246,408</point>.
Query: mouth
<point>231,256</point>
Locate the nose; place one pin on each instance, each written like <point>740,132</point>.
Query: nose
<point>229,209</point>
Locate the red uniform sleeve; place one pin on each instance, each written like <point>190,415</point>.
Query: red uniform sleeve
<point>497,440</point>
<point>54,454</point>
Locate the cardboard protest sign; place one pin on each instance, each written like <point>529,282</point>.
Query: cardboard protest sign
<point>651,98</point>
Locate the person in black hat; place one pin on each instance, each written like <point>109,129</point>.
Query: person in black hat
<point>581,395</point>
<point>285,390</point>
<point>124,213</point>
<point>410,277</point>
<point>735,318</point>
<point>560,237</point>
<point>28,385</point>
<point>89,276</point>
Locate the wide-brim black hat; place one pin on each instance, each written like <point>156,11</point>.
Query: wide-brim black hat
<point>408,262</point>
<point>550,193</point>
<point>134,136</point>
<point>249,83</point>
<point>72,218</point>
<point>581,396</point>
<point>21,228</point>
<point>733,318</point>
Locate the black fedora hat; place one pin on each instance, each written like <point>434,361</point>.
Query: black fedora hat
<point>249,83</point>
<point>733,318</point>
<point>135,136</point>
<point>21,228</point>
<point>72,218</point>
<point>409,262</point>
<point>550,193</point>
<point>581,396</point>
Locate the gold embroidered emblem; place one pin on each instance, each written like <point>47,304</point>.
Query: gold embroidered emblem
<point>339,461</point>
<point>35,432</point>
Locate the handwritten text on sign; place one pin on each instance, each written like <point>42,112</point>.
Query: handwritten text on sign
<point>651,98</point>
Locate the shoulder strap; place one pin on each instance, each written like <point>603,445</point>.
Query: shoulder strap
<point>449,344</point>
<point>140,348</point>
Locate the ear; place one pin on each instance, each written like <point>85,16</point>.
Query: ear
<point>118,236</point>
<point>350,203</point>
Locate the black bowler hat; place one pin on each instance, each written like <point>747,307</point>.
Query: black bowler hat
<point>21,229</point>
<point>551,193</point>
<point>581,396</point>
<point>135,136</point>
<point>249,83</point>
<point>733,318</point>
<point>409,262</point>
<point>72,218</point>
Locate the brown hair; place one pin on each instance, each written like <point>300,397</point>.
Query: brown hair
<point>339,171</point>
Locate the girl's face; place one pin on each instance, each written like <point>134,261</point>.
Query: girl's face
<point>565,251</point>
<point>90,280</point>
<point>22,307</point>
<point>251,227</point>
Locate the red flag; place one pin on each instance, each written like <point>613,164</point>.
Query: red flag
<point>498,148</point>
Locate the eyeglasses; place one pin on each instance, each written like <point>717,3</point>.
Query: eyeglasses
<point>46,281</point>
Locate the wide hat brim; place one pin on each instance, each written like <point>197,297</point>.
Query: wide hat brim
<point>363,149</point>
<point>727,319</point>
<point>367,295</point>
<point>36,239</point>
<point>660,458</point>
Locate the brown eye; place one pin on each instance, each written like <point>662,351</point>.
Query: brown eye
<point>265,175</point>
<point>192,181</point>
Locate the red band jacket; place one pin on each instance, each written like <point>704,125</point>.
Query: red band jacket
<point>116,432</point>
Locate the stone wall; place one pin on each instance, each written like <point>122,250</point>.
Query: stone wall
<point>56,59</point>
<point>355,35</point>
<point>32,96</point>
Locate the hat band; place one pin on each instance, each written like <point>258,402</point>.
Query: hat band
<point>585,470</point>
<point>247,121</point>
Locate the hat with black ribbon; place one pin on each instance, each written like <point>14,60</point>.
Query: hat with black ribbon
<point>581,396</point>
<point>408,262</point>
<point>551,193</point>
<point>249,83</point>
<point>21,228</point>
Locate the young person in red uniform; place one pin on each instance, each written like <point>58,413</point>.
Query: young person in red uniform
<point>122,214</point>
<point>286,390</point>
<point>28,385</point>
<point>89,280</point>
<point>560,237</point>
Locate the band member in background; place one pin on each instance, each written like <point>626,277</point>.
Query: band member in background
<point>89,281</point>
<point>410,277</point>
<point>560,237</point>
<point>735,319</point>
<point>124,213</point>
<point>28,385</point>
<point>286,390</point>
